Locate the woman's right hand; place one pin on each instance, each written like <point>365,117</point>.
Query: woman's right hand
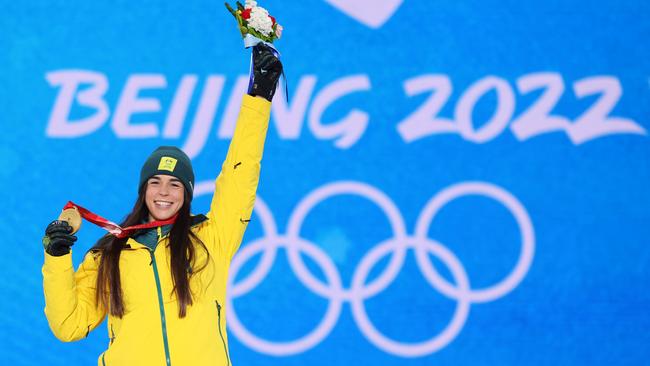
<point>58,240</point>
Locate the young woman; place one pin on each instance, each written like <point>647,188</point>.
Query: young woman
<point>163,289</point>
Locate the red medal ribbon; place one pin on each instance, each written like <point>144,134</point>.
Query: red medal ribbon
<point>114,228</point>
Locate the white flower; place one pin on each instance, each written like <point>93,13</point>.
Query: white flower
<point>250,4</point>
<point>260,20</point>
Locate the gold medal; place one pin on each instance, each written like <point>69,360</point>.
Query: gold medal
<point>73,217</point>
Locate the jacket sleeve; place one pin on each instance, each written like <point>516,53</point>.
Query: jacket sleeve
<point>70,305</point>
<point>236,185</point>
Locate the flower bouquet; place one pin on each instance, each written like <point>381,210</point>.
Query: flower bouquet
<point>255,23</point>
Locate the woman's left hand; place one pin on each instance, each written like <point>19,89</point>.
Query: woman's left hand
<point>267,70</point>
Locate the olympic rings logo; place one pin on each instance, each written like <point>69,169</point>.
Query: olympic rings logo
<point>397,247</point>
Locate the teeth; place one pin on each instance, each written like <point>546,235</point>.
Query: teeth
<point>162,203</point>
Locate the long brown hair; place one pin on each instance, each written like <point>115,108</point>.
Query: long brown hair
<point>182,246</point>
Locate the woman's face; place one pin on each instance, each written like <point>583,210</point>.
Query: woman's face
<point>164,196</point>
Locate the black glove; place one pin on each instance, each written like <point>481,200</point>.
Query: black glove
<point>267,69</point>
<point>58,240</point>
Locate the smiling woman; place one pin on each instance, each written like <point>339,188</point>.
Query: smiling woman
<point>163,288</point>
<point>165,176</point>
<point>164,197</point>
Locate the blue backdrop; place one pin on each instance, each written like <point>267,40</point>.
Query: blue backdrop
<point>450,182</point>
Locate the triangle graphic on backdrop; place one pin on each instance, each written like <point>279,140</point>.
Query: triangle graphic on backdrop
<point>372,13</point>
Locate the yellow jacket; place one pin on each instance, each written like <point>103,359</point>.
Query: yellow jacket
<point>150,332</point>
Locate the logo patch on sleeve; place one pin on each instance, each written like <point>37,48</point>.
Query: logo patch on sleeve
<point>167,163</point>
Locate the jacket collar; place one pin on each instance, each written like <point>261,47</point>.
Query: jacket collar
<point>196,220</point>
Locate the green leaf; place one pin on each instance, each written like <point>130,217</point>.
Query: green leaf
<point>231,10</point>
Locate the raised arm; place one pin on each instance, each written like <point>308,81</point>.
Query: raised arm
<point>236,186</point>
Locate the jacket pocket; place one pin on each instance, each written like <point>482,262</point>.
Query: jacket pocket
<point>223,340</point>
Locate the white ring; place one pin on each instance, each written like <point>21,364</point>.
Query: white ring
<point>340,188</point>
<point>516,209</point>
<point>413,349</point>
<point>312,338</point>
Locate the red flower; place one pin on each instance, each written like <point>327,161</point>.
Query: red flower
<point>272,19</point>
<point>246,13</point>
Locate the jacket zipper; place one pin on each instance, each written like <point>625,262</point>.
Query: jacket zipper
<point>162,308</point>
<point>112,335</point>
<point>225,348</point>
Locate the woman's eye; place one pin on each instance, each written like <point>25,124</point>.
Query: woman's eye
<point>153,182</point>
